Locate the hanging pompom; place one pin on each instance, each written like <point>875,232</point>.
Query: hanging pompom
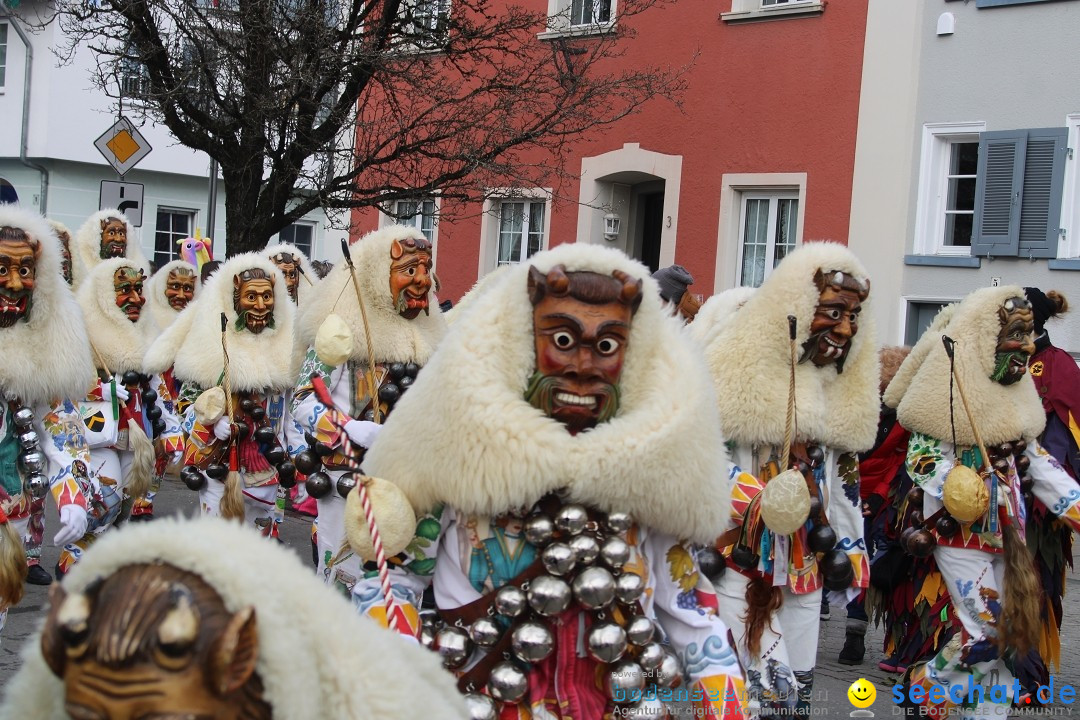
<point>785,502</point>
<point>393,513</point>
<point>965,494</point>
<point>333,341</point>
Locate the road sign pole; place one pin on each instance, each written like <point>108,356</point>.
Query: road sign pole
<point>211,202</point>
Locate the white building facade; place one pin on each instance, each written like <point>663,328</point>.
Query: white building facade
<point>966,172</point>
<point>48,160</point>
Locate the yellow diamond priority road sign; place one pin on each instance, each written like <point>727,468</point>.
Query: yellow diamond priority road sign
<point>123,146</point>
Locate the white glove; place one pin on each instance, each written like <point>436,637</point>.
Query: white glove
<point>362,432</point>
<point>73,522</point>
<point>122,393</point>
<point>222,428</point>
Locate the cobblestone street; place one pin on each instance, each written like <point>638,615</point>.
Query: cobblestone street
<point>832,679</point>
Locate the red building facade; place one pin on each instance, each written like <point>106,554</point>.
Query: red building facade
<point>759,158</point>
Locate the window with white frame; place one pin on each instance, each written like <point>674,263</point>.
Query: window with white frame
<point>579,17</point>
<point>768,231</point>
<point>173,225</point>
<point>947,179</point>
<point>3,53</point>
<point>1069,247</point>
<point>300,234</point>
<point>521,230</point>
<point>424,23</point>
<point>757,10</point>
<point>772,3</point>
<point>419,214</point>
<point>589,12</point>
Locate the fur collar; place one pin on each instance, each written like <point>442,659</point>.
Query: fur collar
<point>920,390</point>
<point>464,434</point>
<point>47,357</point>
<point>714,313</point>
<point>749,359</point>
<point>114,339</point>
<point>256,362</point>
<point>309,664</point>
<point>86,245</point>
<point>395,338</point>
<point>157,304</point>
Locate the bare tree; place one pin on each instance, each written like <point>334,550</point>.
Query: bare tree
<point>348,103</point>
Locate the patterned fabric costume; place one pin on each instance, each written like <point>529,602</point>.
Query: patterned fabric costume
<point>971,559</point>
<point>749,356</point>
<point>397,341</point>
<point>482,466</point>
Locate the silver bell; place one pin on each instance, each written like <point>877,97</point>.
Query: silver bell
<point>624,682</point>
<point>484,632</point>
<point>452,644</point>
<point>594,588</point>
<point>669,673</point>
<point>549,595</point>
<point>640,630</point>
<point>615,553</point>
<point>28,440</point>
<point>572,519</point>
<point>430,618</point>
<point>36,485</point>
<point>507,683</point>
<point>24,418</point>
<point>480,707</point>
<point>532,642</point>
<point>628,587</point>
<point>651,708</point>
<point>559,558</point>
<point>619,522</point>
<point>32,462</point>
<point>539,529</point>
<point>586,549</point>
<point>651,656</point>
<point>510,601</point>
<point>606,642</point>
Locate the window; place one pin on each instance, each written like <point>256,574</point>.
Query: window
<point>579,17</point>
<point>758,10</point>
<point>521,230</point>
<point>134,81</point>
<point>300,234</point>
<point>172,226</point>
<point>919,316</point>
<point>769,227</point>
<point>419,214</point>
<point>946,203</point>
<point>589,12</point>
<point>3,53</point>
<point>425,23</point>
<point>773,3</point>
<point>1018,193</point>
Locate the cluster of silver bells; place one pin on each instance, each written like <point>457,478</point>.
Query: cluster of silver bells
<point>32,461</point>
<point>584,562</point>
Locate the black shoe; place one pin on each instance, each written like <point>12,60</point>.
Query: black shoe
<point>854,650</point>
<point>825,614</point>
<point>37,575</point>
<point>146,517</point>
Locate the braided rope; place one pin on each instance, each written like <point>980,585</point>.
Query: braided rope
<point>788,425</point>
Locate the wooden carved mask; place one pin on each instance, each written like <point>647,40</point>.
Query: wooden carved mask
<point>179,288</point>
<point>1016,341</point>
<point>128,285</point>
<point>114,238</point>
<point>18,272</point>
<point>153,642</point>
<point>253,300</point>
<point>581,324</point>
<point>411,276</point>
<point>836,318</point>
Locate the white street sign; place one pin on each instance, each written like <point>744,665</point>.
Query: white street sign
<point>125,197</point>
<point>123,146</point>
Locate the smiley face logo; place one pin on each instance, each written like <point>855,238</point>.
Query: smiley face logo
<point>862,693</point>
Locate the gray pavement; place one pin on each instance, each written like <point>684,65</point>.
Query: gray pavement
<point>832,679</point>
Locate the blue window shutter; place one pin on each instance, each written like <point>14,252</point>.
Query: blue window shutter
<point>998,184</point>
<point>1040,204</point>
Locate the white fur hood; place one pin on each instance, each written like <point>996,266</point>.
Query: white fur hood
<point>157,304</point>
<point>714,313</point>
<point>316,656</point>
<point>306,286</point>
<point>920,390</point>
<point>114,339</point>
<point>47,357</point>
<point>192,344</point>
<point>750,359</point>
<point>465,435</point>
<point>86,245</point>
<point>395,339</point>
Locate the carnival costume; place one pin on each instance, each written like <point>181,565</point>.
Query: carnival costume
<point>771,592</point>
<point>105,234</point>
<point>46,367</point>
<point>404,328</point>
<point>561,448</point>
<point>176,627</point>
<point>972,523</point>
<point>130,426</point>
<point>231,351</point>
